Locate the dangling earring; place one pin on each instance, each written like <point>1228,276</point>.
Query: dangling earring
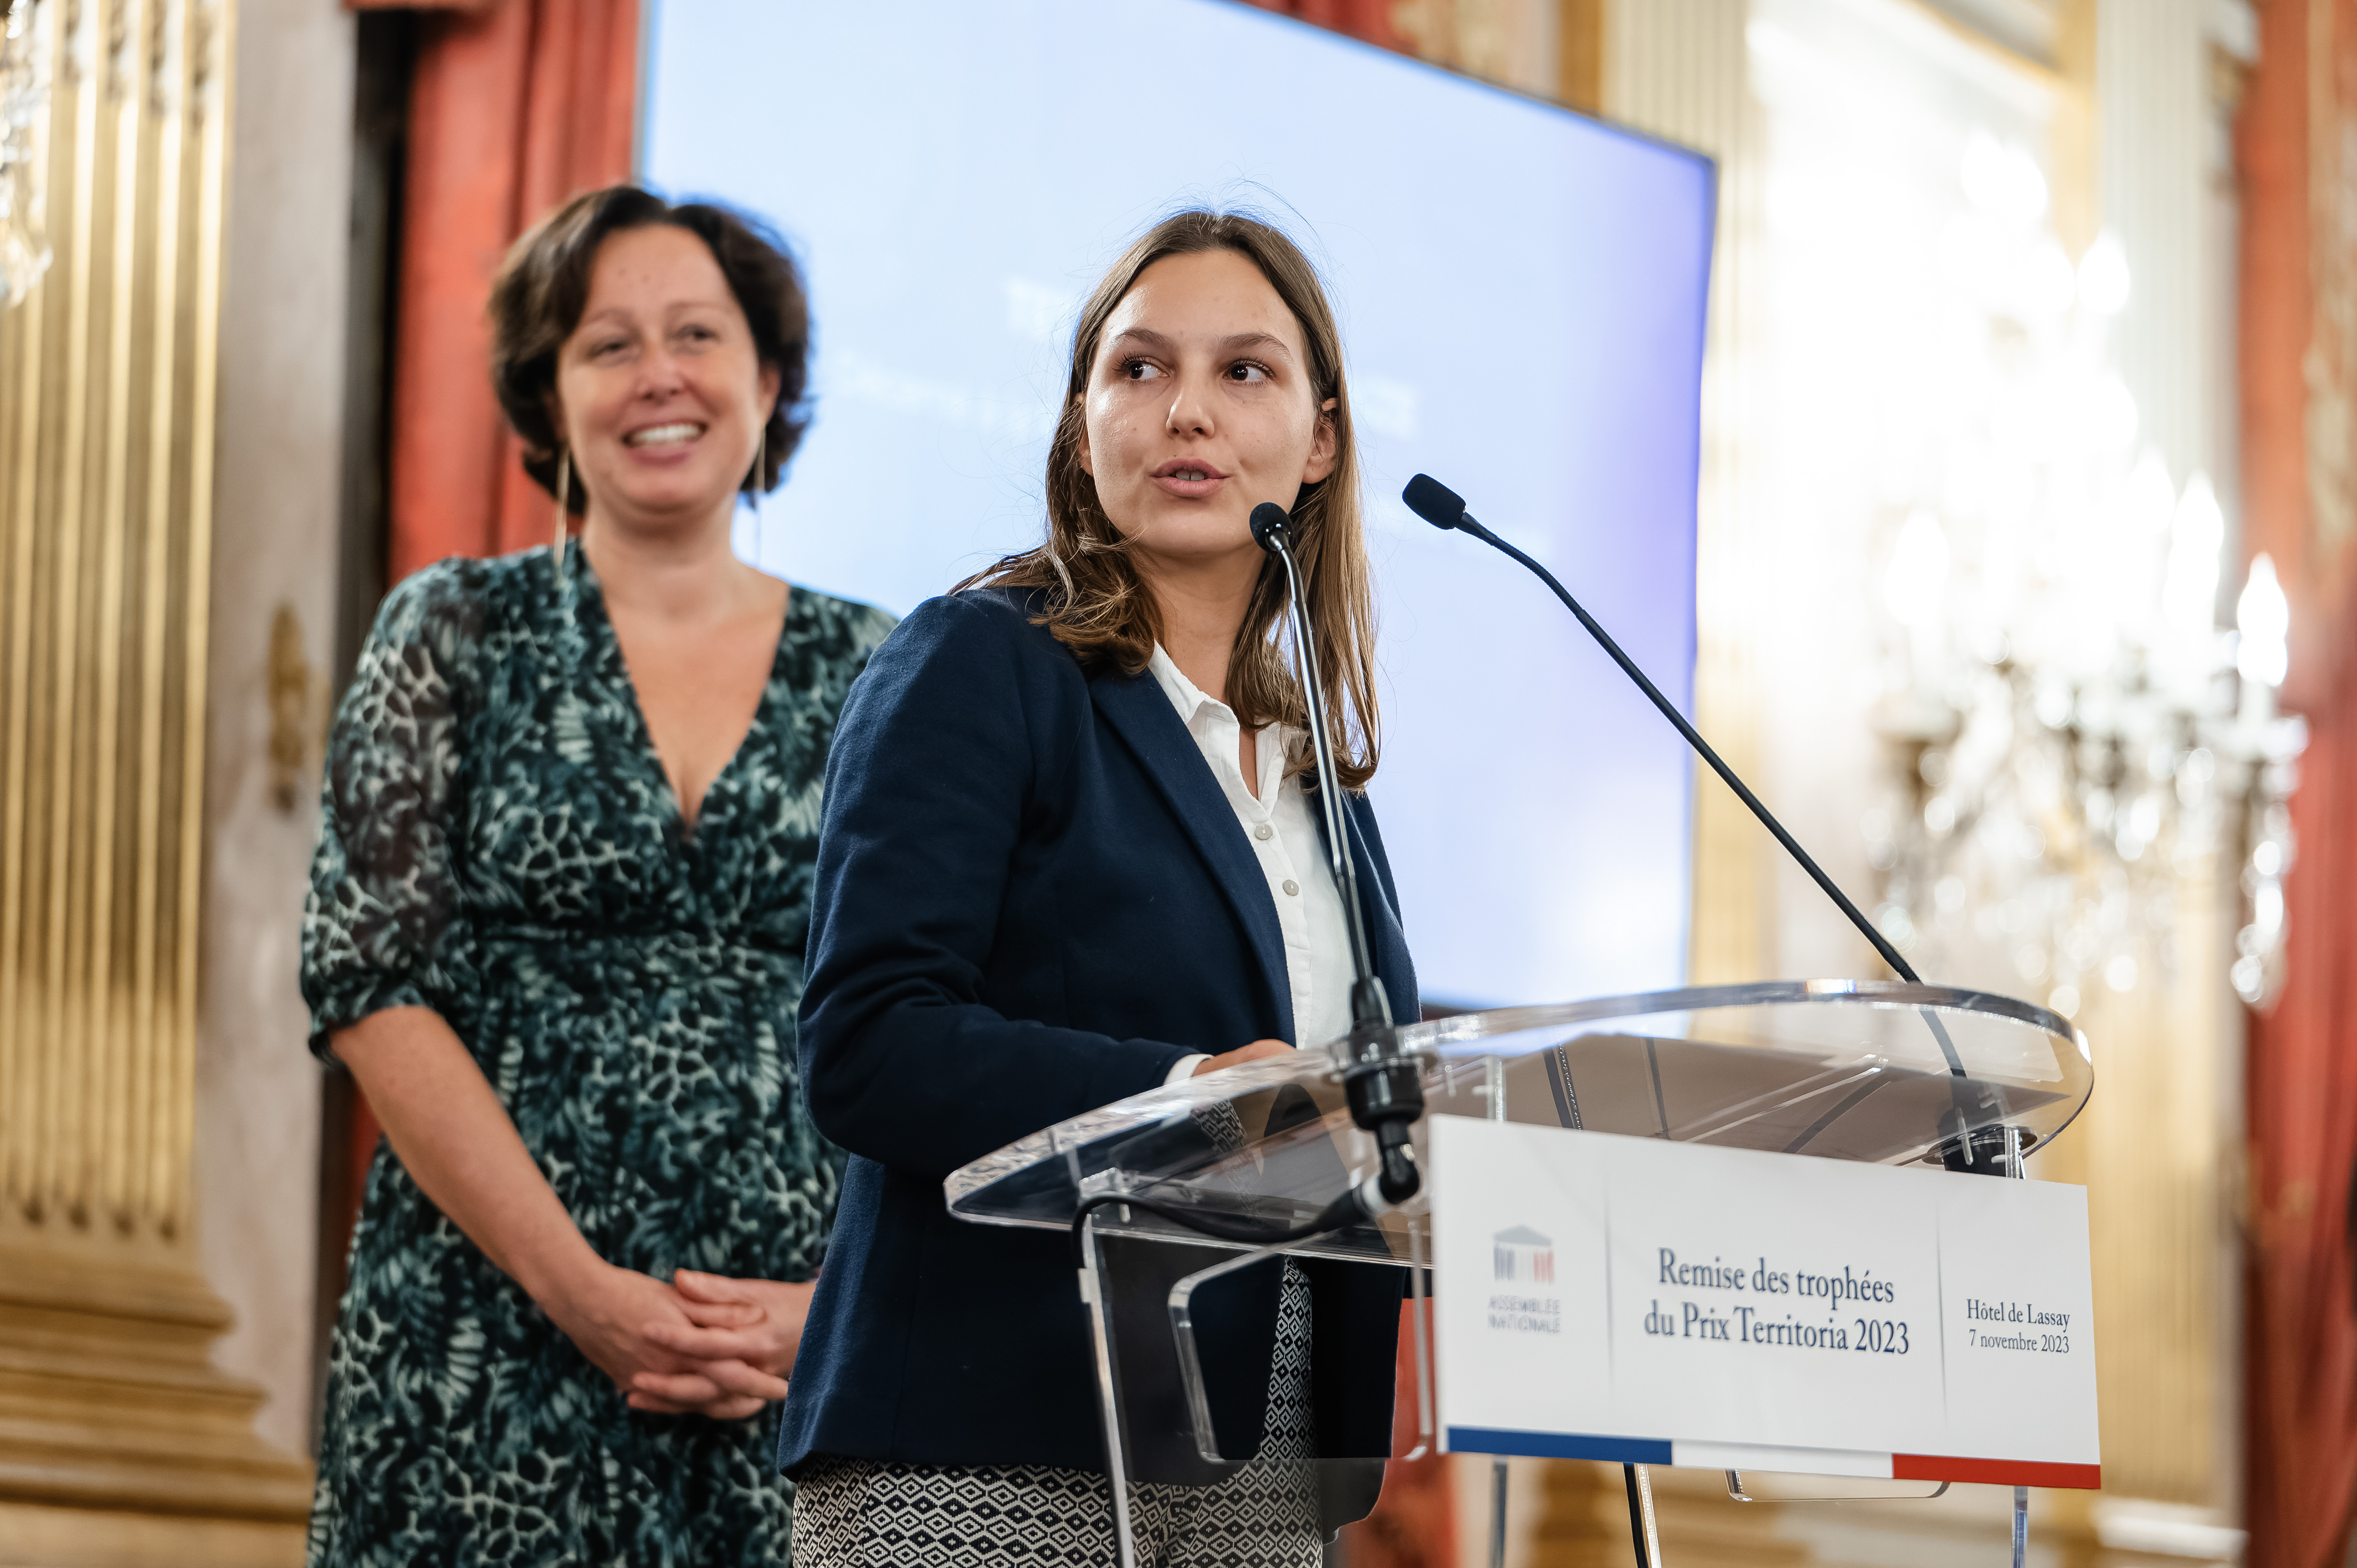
<point>760,473</point>
<point>564,499</point>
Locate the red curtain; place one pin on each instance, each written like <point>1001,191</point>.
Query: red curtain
<point>1368,19</point>
<point>2301,1349</point>
<point>517,105</point>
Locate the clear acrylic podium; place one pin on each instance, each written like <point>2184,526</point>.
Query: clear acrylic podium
<point>1879,1071</point>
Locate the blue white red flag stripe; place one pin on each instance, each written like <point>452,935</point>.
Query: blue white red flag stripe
<point>1806,1461</point>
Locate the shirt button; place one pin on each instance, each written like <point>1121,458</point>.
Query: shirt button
<point>1291,887</point>
<point>1263,832</point>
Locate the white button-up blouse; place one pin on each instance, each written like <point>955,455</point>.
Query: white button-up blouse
<point>1284,836</point>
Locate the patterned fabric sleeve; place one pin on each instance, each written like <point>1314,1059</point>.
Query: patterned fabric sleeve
<point>383,896</point>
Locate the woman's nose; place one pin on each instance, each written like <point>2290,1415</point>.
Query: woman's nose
<point>1190,411</point>
<point>658,374</point>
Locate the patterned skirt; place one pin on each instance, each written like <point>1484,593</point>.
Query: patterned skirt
<point>874,1513</point>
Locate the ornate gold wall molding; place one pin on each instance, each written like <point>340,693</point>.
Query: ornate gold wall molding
<point>2331,364</point>
<point>1580,43</point>
<point>1680,69</point>
<point>108,1397</point>
<point>2155,1152</point>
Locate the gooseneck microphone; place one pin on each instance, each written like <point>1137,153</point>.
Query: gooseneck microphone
<point>1969,1147</point>
<point>1445,509</point>
<point>1385,1089</point>
<point>1272,531</point>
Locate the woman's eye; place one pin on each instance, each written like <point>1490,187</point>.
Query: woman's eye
<point>1139,370</point>
<point>606,348</point>
<point>1247,372</point>
<point>698,334</point>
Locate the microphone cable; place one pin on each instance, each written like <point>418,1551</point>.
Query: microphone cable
<point>1360,1203</point>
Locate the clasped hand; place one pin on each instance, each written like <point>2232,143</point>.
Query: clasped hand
<point>703,1345</point>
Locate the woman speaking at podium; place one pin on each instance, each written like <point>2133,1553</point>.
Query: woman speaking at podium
<point>1066,858</point>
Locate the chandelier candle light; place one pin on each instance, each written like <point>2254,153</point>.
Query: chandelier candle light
<point>24,106</point>
<point>2072,734</point>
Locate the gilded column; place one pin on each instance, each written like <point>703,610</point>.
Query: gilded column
<point>119,1441</point>
<point>2161,1140</point>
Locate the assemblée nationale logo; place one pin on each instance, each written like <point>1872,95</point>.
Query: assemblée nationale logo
<point>1521,1256</point>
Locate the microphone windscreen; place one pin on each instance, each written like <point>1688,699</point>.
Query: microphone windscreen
<point>1434,501</point>
<point>1268,519</point>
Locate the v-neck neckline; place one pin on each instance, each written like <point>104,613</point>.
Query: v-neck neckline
<point>589,592</point>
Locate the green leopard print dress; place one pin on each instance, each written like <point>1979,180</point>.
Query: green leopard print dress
<point>500,845</point>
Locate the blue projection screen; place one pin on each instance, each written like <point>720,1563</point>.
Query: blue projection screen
<point>1520,292</point>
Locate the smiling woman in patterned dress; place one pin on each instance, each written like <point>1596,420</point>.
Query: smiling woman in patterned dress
<point>556,929</point>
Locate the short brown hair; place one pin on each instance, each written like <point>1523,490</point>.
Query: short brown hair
<point>1096,605</point>
<point>544,286</point>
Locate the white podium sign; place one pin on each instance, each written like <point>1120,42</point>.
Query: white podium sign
<point>1608,1297</point>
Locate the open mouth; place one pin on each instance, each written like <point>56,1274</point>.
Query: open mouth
<point>676,435</point>
<point>1187,476</point>
<point>1188,469</point>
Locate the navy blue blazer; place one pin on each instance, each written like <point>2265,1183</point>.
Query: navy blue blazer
<point>1032,899</point>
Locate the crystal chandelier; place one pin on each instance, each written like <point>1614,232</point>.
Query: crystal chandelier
<point>2063,813</point>
<point>2073,737</point>
<point>24,108</point>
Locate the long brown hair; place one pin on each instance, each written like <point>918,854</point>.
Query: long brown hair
<point>1097,605</point>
